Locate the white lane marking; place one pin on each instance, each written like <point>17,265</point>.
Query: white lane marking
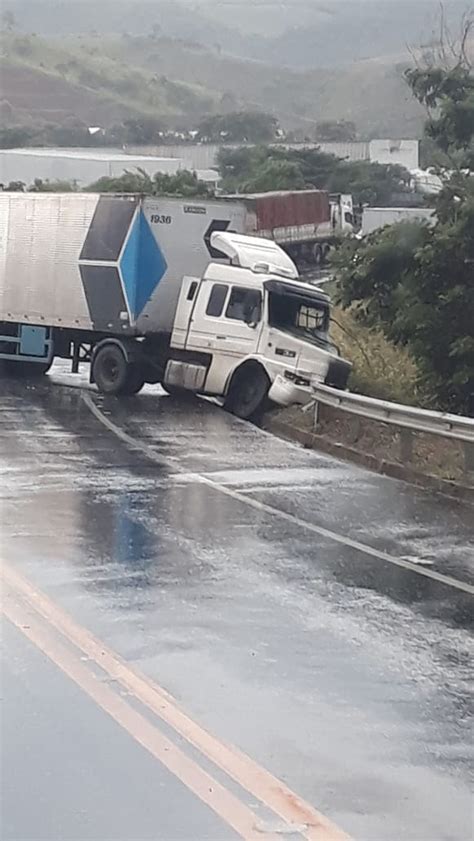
<point>276,512</point>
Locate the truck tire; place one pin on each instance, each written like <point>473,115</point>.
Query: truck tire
<point>135,381</point>
<point>326,252</point>
<point>247,397</point>
<point>317,254</point>
<point>113,374</point>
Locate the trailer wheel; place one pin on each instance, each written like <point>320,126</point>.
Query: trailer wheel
<point>326,252</point>
<point>113,374</point>
<point>248,393</point>
<point>317,254</point>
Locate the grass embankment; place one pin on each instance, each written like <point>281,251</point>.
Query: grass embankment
<point>387,372</point>
<point>381,369</point>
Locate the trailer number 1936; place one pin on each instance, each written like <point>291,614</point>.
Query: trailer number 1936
<point>160,220</point>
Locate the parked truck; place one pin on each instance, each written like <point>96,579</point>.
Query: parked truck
<point>153,290</point>
<point>305,223</point>
<point>374,218</point>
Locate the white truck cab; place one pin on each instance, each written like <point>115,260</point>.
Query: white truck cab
<point>251,331</point>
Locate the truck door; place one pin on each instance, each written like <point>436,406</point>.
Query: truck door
<point>227,322</point>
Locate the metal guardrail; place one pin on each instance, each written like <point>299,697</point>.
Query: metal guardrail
<point>409,417</point>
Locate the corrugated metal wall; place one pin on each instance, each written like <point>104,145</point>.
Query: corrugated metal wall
<point>196,156</point>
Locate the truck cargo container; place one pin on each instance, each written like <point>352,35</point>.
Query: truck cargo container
<point>305,223</point>
<point>374,218</point>
<point>151,290</point>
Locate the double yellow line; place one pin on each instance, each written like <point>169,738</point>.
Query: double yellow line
<point>78,654</point>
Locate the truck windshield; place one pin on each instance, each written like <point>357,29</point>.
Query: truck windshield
<point>305,318</point>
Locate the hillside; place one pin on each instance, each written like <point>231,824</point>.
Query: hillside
<point>102,81</point>
<point>49,80</point>
<point>295,33</point>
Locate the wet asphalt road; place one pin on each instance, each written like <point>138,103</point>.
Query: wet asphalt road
<point>229,567</point>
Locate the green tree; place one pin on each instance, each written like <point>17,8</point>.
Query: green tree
<point>15,187</point>
<point>275,167</point>
<point>58,186</point>
<point>137,130</point>
<point>335,131</point>
<point>417,282</point>
<point>17,137</point>
<point>444,84</point>
<point>275,175</point>
<point>238,127</point>
<point>185,184</point>
<point>449,97</point>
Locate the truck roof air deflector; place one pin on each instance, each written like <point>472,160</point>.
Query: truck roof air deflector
<point>254,253</point>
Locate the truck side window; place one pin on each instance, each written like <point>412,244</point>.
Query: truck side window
<point>216,302</point>
<point>244,305</point>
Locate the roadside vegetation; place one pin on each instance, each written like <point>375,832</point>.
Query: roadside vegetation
<point>184,184</point>
<point>263,168</point>
<point>413,283</point>
<point>381,369</point>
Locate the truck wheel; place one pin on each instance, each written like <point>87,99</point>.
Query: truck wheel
<point>317,255</point>
<point>112,373</point>
<point>135,381</point>
<point>326,252</point>
<point>247,396</point>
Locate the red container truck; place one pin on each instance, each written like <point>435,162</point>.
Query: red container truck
<point>305,222</point>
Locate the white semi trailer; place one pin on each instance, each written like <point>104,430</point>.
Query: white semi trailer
<point>151,290</point>
<point>375,218</point>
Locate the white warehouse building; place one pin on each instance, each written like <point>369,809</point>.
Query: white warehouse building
<point>84,165</point>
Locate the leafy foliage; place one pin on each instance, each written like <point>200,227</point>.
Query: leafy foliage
<point>184,183</point>
<point>58,186</point>
<point>337,131</point>
<point>449,97</point>
<point>238,127</point>
<point>261,168</point>
<point>414,282</point>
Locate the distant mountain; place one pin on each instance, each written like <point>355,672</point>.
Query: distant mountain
<point>294,33</point>
<point>102,80</point>
<point>352,31</point>
<point>132,17</point>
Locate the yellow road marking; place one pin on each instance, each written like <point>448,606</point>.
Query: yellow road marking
<point>248,774</point>
<point>231,810</point>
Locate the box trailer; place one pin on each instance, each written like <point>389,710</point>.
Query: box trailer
<point>305,223</point>
<point>374,218</point>
<point>152,290</point>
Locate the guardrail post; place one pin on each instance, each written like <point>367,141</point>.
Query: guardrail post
<point>316,415</point>
<point>406,446</point>
<point>469,459</point>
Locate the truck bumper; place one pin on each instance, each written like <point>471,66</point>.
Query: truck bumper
<point>284,392</point>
